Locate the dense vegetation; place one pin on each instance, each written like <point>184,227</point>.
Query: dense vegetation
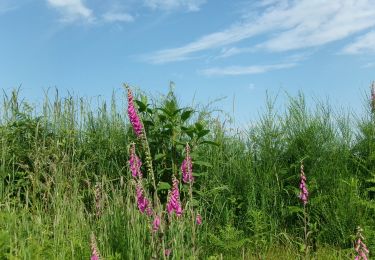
<point>64,175</point>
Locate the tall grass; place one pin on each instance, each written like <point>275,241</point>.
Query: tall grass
<point>55,160</point>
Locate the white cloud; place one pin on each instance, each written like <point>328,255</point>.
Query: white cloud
<point>363,44</point>
<point>245,70</point>
<point>117,17</point>
<point>228,52</point>
<point>294,24</point>
<point>72,10</point>
<point>168,5</point>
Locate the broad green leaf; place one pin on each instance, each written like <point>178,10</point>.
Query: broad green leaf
<point>203,133</point>
<point>199,126</point>
<point>141,106</point>
<point>186,115</point>
<point>164,186</point>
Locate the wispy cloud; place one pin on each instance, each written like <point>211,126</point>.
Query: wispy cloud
<point>168,5</point>
<point>117,17</point>
<point>10,5</point>
<point>72,10</point>
<point>363,44</point>
<point>245,70</point>
<point>294,25</point>
<point>231,51</point>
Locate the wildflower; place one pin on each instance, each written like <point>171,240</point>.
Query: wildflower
<point>133,116</point>
<point>94,249</point>
<point>304,194</point>
<point>149,211</point>
<point>135,163</point>
<point>360,246</point>
<point>198,219</point>
<point>167,252</point>
<point>187,167</point>
<point>142,201</point>
<point>156,223</point>
<point>174,203</point>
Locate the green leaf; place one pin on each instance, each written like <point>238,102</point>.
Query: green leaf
<point>164,186</point>
<point>186,115</point>
<point>199,126</point>
<point>203,133</point>
<point>148,123</point>
<point>189,131</point>
<point>141,106</point>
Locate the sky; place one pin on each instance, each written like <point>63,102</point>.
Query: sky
<point>237,50</point>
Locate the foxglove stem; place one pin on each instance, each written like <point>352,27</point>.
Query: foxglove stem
<point>142,201</point>
<point>133,115</point>
<point>98,200</point>
<point>135,163</point>
<point>156,223</point>
<point>174,204</point>
<point>360,246</point>
<point>187,166</point>
<point>141,134</point>
<point>304,194</point>
<point>94,249</point>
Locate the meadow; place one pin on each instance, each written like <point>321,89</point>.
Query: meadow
<point>149,179</point>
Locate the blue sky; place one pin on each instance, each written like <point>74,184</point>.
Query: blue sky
<point>209,48</point>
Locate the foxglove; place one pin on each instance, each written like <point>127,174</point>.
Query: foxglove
<point>187,167</point>
<point>360,246</point>
<point>156,223</point>
<point>198,219</point>
<point>142,201</point>
<point>94,248</point>
<point>174,204</point>
<point>133,115</point>
<point>304,194</point>
<point>135,163</point>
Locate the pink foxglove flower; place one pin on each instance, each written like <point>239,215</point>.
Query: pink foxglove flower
<point>187,167</point>
<point>174,203</point>
<point>167,252</point>
<point>94,248</point>
<point>156,223</point>
<point>198,219</point>
<point>304,194</point>
<point>360,246</point>
<point>142,201</point>
<point>133,115</point>
<point>135,163</point>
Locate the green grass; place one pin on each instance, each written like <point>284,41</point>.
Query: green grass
<point>246,186</point>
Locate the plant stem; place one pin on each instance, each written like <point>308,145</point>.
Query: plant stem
<point>305,229</point>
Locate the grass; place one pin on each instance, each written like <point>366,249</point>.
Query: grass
<point>56,162</point>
